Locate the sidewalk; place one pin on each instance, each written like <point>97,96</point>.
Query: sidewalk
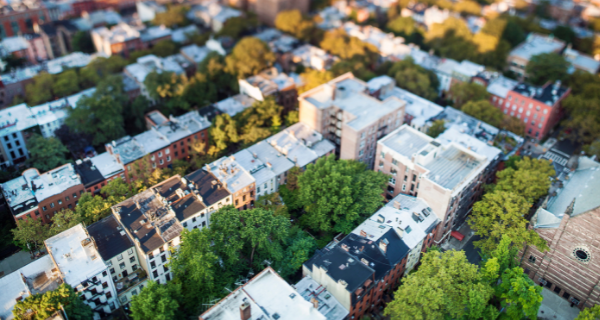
<point>14,262</point>
<point>556,308</point>
<point>453,243</point>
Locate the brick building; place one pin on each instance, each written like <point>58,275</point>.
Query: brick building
<point>271,83</point>
<point>363,269</point>
<point>568,221</point>
<point>97,171</point>
<point>344,112</point>
<point>121,39</point>
<point>168,139</point>
<point>19,18</point>
<point>41,196</point>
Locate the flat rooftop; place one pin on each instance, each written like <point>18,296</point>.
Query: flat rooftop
<point>75,254</point>
<point>327,304</point>
<point>277,162</point>
<point>110,238</point>
<point>537,44</point>
<point>501,85</point>
<point>16,119</point>
<point>300,144</point>
<point>120,33</point>
<point>582,187</point>
<point>268,296</point>
<point>151,63</point>
<point>72,60</point>
<point>207,186</point>
<point>419,108</point>
<point>253,165</point>
<point>451,167</point>
<point>58,109</point>
<point>236,104</point>
<point>196,53</point>
<point>229,172</point>
<point>549,94</point>
<point>107,165</point>
<point>153,33</point>
<point>406,141</point>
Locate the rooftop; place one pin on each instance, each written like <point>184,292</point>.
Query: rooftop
<point>536,44</point>
<point>153,33</point>
<point>152,217</point>
<point>196,53</point>
<point>311,56</point>
<point>75,255</point>
<point>582,61</point>
<point>109,237</point>
<point>14,44</point>
<point>327,304</point>
<point>21,74</point>
<point>267,295</point>
<point>267,83</point>
<point>58,109</point>
<point>236,104</point>
<point>549,94</point>
<point>350,94</point>
<point>150,63</point>
<point>501,85</point>
<point>26,191</point>
<point>406,141</point>
<point>120,33</point>
<point>206,185</point>
<point>89,174</point>
<point>253,165</point>
<point>300,144</point>
<point>452,167</point>
<point>16,119</point>
<point>229,172</point>
<point>181,35</point>
<point>467,124</point>
<point>468,69</point>
<point>274,160</point>
<point>72,60</point>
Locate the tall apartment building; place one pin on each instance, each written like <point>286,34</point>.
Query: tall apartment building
<point>269,295</point>
<point>120,256</point>
<point>362,270</point>
<point>237,180</point>
<point>568,221</point>
<point>447,172</point>
<point>155,218</point>
<point>343,111</point>
<point>41,196</point>
<point>269,161</point>
<point>167,140</point>
<point>77,258</point>
<point>535,44</point>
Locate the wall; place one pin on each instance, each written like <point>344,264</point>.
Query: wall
<point>68,199</point>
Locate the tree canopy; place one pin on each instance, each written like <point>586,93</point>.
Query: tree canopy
<point>82,42</point>
<point>531,179</point>
<point>414,78</point>
<point>43,306</point>
<point>249,57</point>
<point>546,67</point>
<point>45,153</point>
<point>173,17</point>
<point>437,127</point>
<point>157,302</point>
<point>340,44</point>
<point>464,92</point>
<point>484,111</point>
<point>292,22</point>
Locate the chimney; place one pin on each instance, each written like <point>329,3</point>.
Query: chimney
<point>315,302</point>
<point>245,312</point>
<point>383,245</point>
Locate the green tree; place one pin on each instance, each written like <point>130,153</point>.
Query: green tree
<point>437,127</point>
<point>249,57</point>
<point>414,78</point>
<point>592,313</point>
<point>195,266</point>
<point>520,296</point>
<point>63,220</point>
<point>214,67</point>
<point>82,41</point>
<point>88,77</point>
<point>292,22</point>
<point>157,302</point>
<point>300,247</point>
<point>107,66</point>
<point>134,113</point>
<point>503,213</point>
<point>92,208</point>
<point>583,117</point>
<point>292,117</point>
<point>173,17</point>
<point>513,125</point>
<point>339,43</point>
<point>513,33</point>
<point>531,179</point>
<point>546,67</point>
<point>464,92</point>
<point>237,26</point>
<point>407,28</point>
<point>101,115</point>
<point>40,89</point>
<point>338,195</point>
<point>446,285</point>
<point>468,7</point>
<point>223,132</point>
<point>199,90</point>
<point>30,234</point>
<point>313,78</point>
<point>484,111</point>
<point>165,48</point>
<point>257,121</point>
<point>45,153</point>
<point>564,33</point>
<point>66,83</point>
<point>43,306</point>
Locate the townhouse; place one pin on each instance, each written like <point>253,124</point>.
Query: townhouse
<point>271,82</point>
<point>535,44</point>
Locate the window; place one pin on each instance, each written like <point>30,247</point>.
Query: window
<point>393,180</point>
<point>132,259</point>
<point>403,187</point>
<point>120,257</point>
<point>105,285</point>
<point>104,273</point>
<point>9,145</point>
<point>59,202</point>
<point>130,251</point>
<point>163,258</point>
<point>155,274</point>
<point>150,255</point>
<point>160,153</point>
<point>167,151</point>
<point>557,289</point>
<point>134,267</point>
<point>74,195</point>
<point>95,279</point>
<point>185,224</point>
<point>44,208</point>
<point>165,268</point>
<point>152,264</point>
<point>67,198</point>
<point>168,277</point>
<point>52,205</point>
<point>168,158</point>
<point>532,259</point>
<point>161,161</point>
<point>412,187</point>
<point>161,249</point>
<point>112,270</point>
<point>395,162</point>
<point>581,254</point>
<point>122,265</point>
<point>108,295</point>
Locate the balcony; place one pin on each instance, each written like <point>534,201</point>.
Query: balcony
<point>131,280</point>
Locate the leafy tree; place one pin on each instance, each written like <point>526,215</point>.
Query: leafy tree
<point>134,56</point>
<point>484,111</point>
<point>195,266</point>
<point>13,62</point>
<point>300,247</point>
<point>223,132</point>
<point>446,285</point>
<point>249,57</point>
<point>531,179</point>
<point>407,28</point>
<point>468,7</point>
<point>101,115</point>
<point>165,48</point>
<point>292,118</point>
<point>66,83</point>
<point>237,26</point>
<point>174,16</point>
<point>88,77</point>
<point>63,220</point>
<point>214,67</point>
<point>199,90</point>
<point>313,78</point>
<point>592,313</point>
<point>437,127</point>
<point>273,202</point>
<point>513,125</point>
<point>107,66</point>
<point>82,41</point>
<point>520,296</point>
<point>292,22</point>
<point>157,302</point>
<point>593,149</point>
<point>464,92</point>
<point>339,43</point>
<point>30,234</point>
<point>546,67</point>
<point>564,33</point>
<point>42,306</point>
<point>503,213</point>
<point>40,89</point>
<point>45,154</point>
<point>513,33</point>
<point>338,195</point>
<point>92,208</point>
<point>414,78</point>
<point>258,120</point>
<point>583,117</point>
<point>134,113</point>
<point>356,65</point>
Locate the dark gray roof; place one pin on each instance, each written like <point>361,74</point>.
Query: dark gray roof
<point>187,207</point>
<point>208,186</point>
<point>110,238</point>
<point>90,175</point>
<point>131,218</point>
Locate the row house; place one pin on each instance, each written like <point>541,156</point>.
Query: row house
<point>344,112</point>
<point>41,196</point>
<point>535,44</point>
<point>98,171</point>
<point>270,160</point>
<point>268,295</point>
<point>313,57</point>
<point>281,44</point>
<point>51,115</point>
<point>271,82</point>
<point>568,220</point>
<point>447,172</point>
<point>19,17</point>
<point>78,260</point>
<point>57,37</point>
<point>121,39</point>
<point>147,64</point>
<point>237,180</point>
<point>168,139</point>
<point>363,269</point>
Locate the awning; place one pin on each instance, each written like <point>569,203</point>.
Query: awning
<point>459,236</point>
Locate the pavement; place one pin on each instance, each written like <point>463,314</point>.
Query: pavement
<point>466,244</point>
<point>14,262</point>
<point>555,307</point>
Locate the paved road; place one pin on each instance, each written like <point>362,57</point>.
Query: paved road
<point>471,252</point>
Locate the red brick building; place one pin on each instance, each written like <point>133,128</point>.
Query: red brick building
<point>19,18</point>
<point>363,269</point>
<point>41,196</point>
<point>569,221</point>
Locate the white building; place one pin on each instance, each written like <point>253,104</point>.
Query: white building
<point>213,15</point>
<point>148,64</point>
<point>81,266</point>
<point>51,115</point>
<point>13,121</point>
<point>147,10</point>
<point>313,57</point>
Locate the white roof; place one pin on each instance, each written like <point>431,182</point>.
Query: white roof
<point>119,33</point>
<point>301,144</point>
<point>537,44</point>
<point>582,61</point>
<point>195,52</point>
<point>106,164</point>
<point>275,160</point>
<point>259,170</point>
<point>21,74</point>
<point>181,35</point>
<point>446,66</point>
<point>230,172</point>
<point>269,297</point>
<point>226,13</point>
<point>72,60</point>
<point>15,119</point>
<point>14,44</point>
<point>147,64</point>
<point>468,68</point>
<point>11,288</point>
<point>155,32</point>
<point>58,109</point>
<point>501,86</point>
<point>236,104</point>
<point>452,134</point>
<point>419,108</point>
<point>327,304</point>
<point>77,259</point>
